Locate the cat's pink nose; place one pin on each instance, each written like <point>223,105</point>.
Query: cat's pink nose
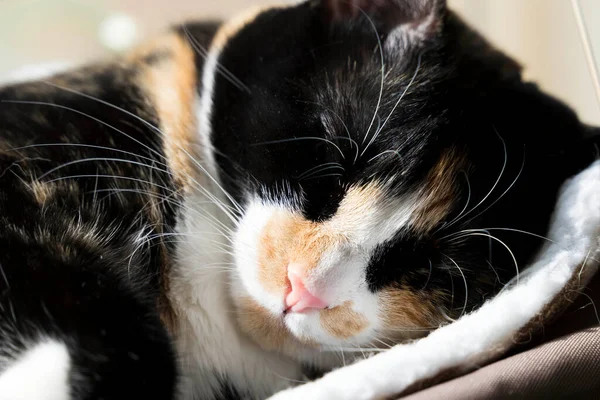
<point>299,299</point>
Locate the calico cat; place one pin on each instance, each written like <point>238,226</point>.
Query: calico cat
<point>234,207</point>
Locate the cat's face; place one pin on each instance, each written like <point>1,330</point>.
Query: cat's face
<point>352,139</point>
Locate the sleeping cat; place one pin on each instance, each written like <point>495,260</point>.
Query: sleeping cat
<point>235,207</point>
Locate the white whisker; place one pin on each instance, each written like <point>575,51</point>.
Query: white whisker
<point>327,168</point>
<point>592,303</point>
<point>32,146</point>
<point>300,138</point>
<point>504,164</point>
<point>355,350</point>
<point>323,176</point>
<point>115,177</point>
<point>343,357</point>
<point>197,46</point>
<point>464,208</point>
<point>42,103</point>
<point>386,345</point>
<point>428,276</point>
<point>349,138</point>
<point>480,232</point>
<point>503,193</point>
<point>156,129</point>
<point>587,256</point>
<point>317,169</point>
<point>352,144</point>
<point>499,229</point>
<point>380,46</point>
<point>378,131</point>
<point>396,152</point>
<point>466,285</point>
<point>94,159</point>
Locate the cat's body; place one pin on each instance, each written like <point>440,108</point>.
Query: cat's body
<point>174,222</point>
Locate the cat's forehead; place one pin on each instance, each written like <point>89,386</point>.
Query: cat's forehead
<point>322,110</point>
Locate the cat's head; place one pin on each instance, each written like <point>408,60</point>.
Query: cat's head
<point>383,157</point>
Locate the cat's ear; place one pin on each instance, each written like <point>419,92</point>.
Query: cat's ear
<point>415,20</point>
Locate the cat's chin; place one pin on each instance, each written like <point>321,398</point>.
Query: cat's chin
<point>319,328</point>
<point>283,336</point>
<point>269,331</point>
<point>298,335</point>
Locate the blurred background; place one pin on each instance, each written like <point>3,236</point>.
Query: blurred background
<point>542,34</point>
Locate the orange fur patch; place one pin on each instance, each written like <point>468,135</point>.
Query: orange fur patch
<point>358,202</point>
<point>274,250</point>
<point>343,322</point>
<point>166,73</point>
<point>170,82</point>
<point>408,314</point>
<point>439,193</point>
<point>289,238</point>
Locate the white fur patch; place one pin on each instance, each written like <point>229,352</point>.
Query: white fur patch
<point>575,231</point>
<point>210,345</point>
<point>40,373</point>
<point>246,243</point>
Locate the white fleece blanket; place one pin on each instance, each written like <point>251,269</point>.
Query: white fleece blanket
<point>570,258</point>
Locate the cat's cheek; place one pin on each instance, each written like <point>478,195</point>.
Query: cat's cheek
<point>246,282</point>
